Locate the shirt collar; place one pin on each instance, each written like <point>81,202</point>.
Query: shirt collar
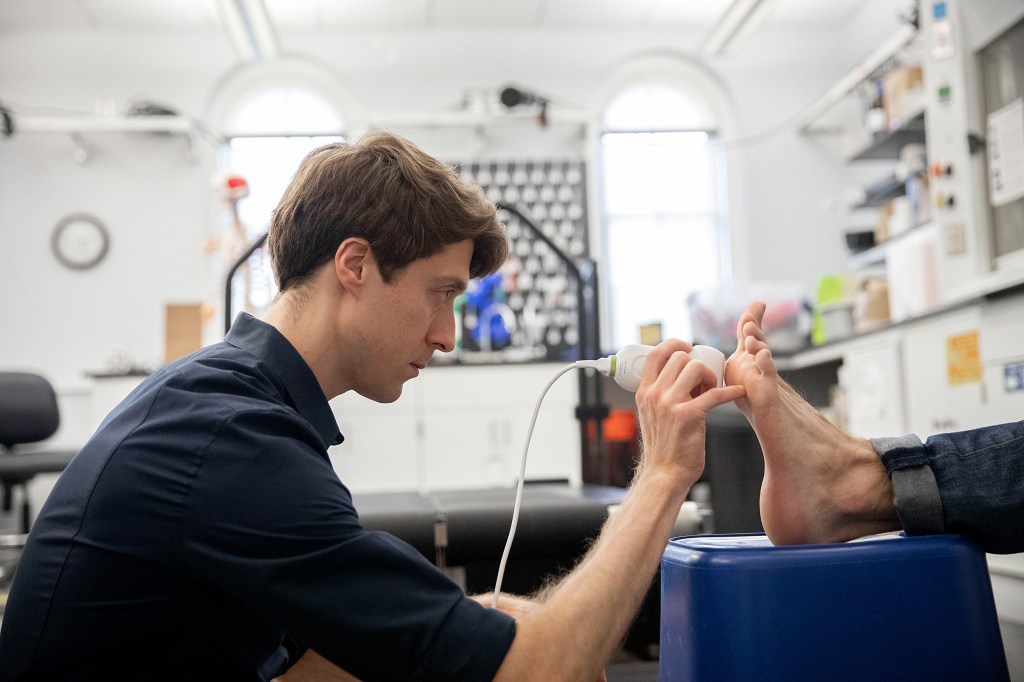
<point>269,345</point>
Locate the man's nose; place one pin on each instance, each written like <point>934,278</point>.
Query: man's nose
<point>442,332</point>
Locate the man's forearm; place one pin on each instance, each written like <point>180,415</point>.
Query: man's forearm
<point>583,619</point>
<point>577,628</point>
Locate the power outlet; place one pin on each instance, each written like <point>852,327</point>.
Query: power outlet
<point>956,239</point>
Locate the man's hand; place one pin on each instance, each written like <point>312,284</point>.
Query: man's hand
<point>581,621</point>
<point>673,401</point>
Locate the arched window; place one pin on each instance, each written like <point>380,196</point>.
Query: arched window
<point>665,233</point>
<point>271,117</point>
<point>268,135</point>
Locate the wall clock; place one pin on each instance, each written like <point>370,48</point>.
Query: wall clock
<point>80,241</point>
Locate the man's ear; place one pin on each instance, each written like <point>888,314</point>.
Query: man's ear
<point>352,262</point>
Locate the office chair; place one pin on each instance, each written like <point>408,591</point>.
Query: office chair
<point>28,414</point>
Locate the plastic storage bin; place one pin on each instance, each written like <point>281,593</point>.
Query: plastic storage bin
<point>891,607</point>
<point>787,321</point>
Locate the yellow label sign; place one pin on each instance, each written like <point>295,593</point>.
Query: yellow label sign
<point>963,358</point>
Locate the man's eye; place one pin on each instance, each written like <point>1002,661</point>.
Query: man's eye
<point>447,294</point>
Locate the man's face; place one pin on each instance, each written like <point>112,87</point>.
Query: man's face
<point>406,321</point>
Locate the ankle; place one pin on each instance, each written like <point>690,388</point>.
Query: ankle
<point>864,497</point>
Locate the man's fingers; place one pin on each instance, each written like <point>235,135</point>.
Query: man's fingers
<point>719,396</point>
<point>708,379</point>
<point>683,377</point>
<point>657,359</point>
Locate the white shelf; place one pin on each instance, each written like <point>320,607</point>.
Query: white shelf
<point>106,124</point>
<point>886,145</point>
<point>811,357</point>
<point>876,254</point>
<point>873,256</point>
<point>845,85</point>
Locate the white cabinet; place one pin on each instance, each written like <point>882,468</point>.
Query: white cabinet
<point>382,449</point>
<point>460,427</point>
<point>872,382</point>
<point>1002,352</point>
<point>947,390</point>
<point>476,421</point>
<point>955,370</point>
<point>942,391</point>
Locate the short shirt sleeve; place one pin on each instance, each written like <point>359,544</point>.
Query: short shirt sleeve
<point>269,522</point>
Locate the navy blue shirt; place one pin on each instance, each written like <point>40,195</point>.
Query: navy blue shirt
<point>203,534</point>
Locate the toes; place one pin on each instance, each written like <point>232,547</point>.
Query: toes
<point>740,324</point>
<point>752,328</point>
<point>754,313</point>
<point>764,362</point>
<point>757,309</point>
<point>744,318</point>
<point>753,345</point>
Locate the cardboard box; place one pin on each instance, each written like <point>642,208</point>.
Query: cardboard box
<point>882,224</point>
<point>902,94</point>
<point>872,304</point>
<point>183,329</point>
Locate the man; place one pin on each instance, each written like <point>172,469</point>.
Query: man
<point>823,485</point>
<point>202,533</point>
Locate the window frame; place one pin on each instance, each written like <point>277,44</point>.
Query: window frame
<point>693,80</point>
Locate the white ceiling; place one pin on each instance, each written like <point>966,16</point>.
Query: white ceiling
<point>356,15</point>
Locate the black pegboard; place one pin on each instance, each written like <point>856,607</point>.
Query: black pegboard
<point>529,311</point>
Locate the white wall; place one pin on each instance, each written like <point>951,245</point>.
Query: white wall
<point>153,199</point>
<point>153,202</point>
<point>156,203</point>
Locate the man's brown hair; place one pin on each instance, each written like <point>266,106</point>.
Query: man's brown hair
<point>404,202</point>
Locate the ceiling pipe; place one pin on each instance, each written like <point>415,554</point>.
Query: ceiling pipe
<point>249,29</point>
<point>737,24</point>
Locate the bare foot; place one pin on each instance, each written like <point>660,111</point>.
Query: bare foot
<point>820,484</point>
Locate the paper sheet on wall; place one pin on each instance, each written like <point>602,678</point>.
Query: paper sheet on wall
<point>963,359</point>
<point>1006,153</point>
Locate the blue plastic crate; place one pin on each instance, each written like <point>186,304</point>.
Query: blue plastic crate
<point>890,607</point>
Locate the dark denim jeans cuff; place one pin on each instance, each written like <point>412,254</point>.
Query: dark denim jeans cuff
<point>900,453</point>
<point>915,491</point>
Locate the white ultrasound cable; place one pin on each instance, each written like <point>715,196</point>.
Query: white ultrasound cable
<point>579,364</point>
<point>627,368</point>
